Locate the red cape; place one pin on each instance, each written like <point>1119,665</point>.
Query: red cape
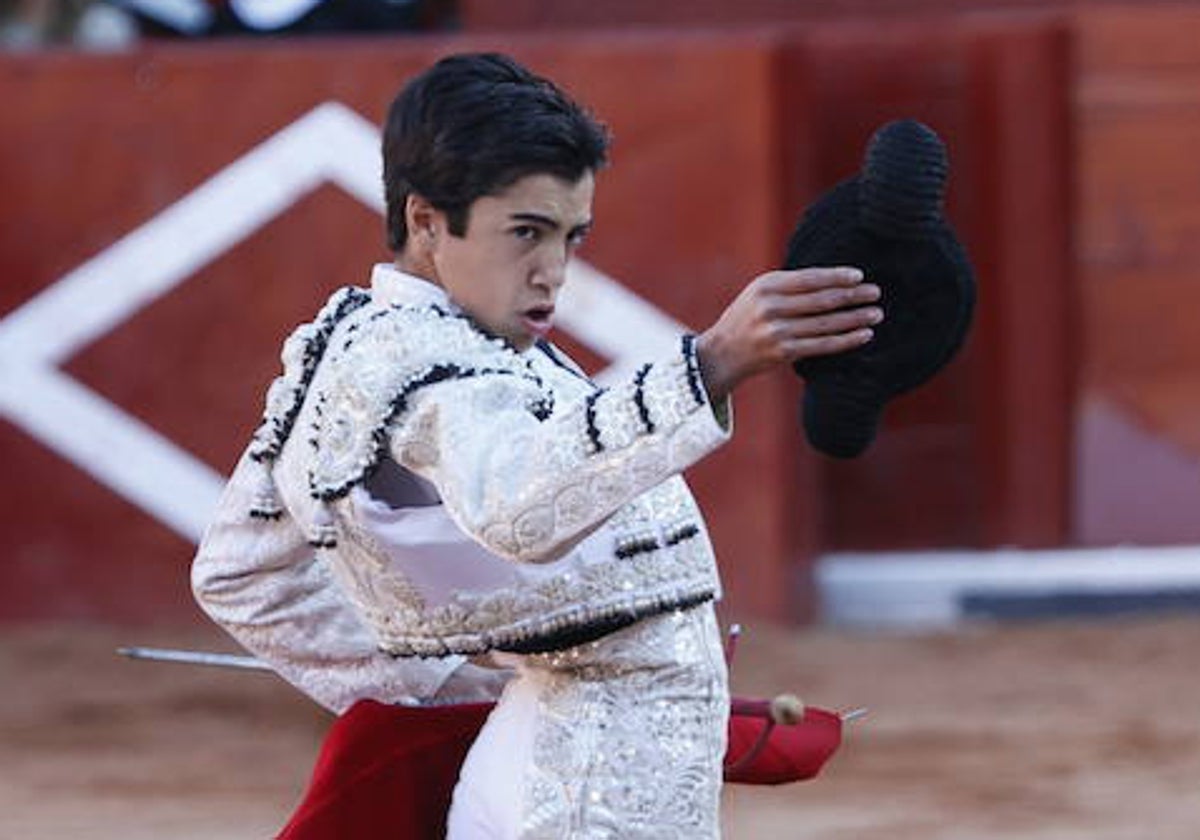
<point>388,771</point>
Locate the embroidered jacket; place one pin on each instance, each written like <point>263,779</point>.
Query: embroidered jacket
<point>468,497</point>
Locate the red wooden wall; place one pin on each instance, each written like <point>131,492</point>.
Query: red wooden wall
<point>96,147</point>
<point>530,15</point>
<point>979,456</point>
<point>1137,437</point>
<point>1070,138</point>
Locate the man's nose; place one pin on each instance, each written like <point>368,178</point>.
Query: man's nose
<point>551,273</point>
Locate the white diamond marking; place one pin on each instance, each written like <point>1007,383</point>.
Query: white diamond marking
<point>331,143</point>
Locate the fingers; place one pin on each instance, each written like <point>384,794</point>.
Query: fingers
<point>802,280</point>
<point>820,302</point>
<point>799,338</point>
<point>782,316</point>
<point>826,345</point>
<point>819,312</point>
<point>814,291</point>
<point>840,321</point>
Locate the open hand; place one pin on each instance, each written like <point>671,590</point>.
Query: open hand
<point>782,316</point>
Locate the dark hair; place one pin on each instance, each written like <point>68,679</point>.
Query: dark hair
<point>473,124</point>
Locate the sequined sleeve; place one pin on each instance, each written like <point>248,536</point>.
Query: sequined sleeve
<point>527,473</point>
<point>262,583</point>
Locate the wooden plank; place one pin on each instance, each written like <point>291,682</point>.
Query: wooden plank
<point>1137,112</point>
<point>980,455</point>
<point>1136,36</point>
<point>528,15</point>
<point>102,144</point>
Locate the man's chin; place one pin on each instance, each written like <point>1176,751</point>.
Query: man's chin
<point>519,339</point>
<point>523,342</point>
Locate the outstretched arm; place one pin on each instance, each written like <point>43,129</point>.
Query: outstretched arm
<point>527,487</point>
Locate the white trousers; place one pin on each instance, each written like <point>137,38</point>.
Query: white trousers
<point>621,737</point>
<point>489,799</point>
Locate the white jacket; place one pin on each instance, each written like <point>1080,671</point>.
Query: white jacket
<point>463,498</point>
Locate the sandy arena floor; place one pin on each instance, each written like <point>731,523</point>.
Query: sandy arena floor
<point>1043,732</point>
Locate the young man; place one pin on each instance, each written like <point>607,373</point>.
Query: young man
<point>472,493</point>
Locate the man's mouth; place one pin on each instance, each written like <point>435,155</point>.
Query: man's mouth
<point>538,319</point>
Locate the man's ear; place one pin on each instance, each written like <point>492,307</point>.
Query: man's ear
<point>421,217</point>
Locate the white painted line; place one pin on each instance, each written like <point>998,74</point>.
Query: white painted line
<point>926,589</point>
<point>150,261</point>
<point>614,321</point>
<point>117,449</point>
<point>333,143</point>
<point>1099,568</point>
<point>330,143</point>
<point>357,167</point>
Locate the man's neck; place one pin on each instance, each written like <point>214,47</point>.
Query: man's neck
<point>417,267</point>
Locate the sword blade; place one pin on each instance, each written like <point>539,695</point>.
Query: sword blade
<point>195,657</point>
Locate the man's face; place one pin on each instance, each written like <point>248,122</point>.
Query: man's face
<point>506,271</point>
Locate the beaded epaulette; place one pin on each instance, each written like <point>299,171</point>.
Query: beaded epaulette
<point>302,352</point>
<point>368,382</point>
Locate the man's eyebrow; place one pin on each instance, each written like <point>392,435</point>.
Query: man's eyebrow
<point>547,221</point>
<point>535,218</point>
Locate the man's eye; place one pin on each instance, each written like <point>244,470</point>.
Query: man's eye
<point>576,238</point>
<point>527,233</point>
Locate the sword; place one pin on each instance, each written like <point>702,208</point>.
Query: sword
<point>195,657</point>
<point>789,708</point>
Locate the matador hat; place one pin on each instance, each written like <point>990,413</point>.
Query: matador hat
<point>888,221</point>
